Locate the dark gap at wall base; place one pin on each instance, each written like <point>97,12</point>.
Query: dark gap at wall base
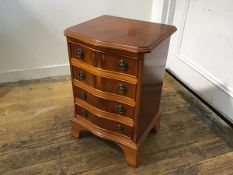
<point>201,99</point>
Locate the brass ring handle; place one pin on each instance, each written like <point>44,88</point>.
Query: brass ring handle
<point>83,95</point>
<point>122,88</point>
<point>80,53</point>
<point>84,113</point>
<point>123,65</point>
<point>82,75</point>
<point>121,109</point>
<point>120,128</point>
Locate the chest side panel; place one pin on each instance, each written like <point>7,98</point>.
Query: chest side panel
<point>151,87</point>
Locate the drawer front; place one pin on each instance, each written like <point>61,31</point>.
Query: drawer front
<point>105,123</point>
<point>104,84</point>
<point>83,54</point>
<point>103,104</point>
<point>105,61</point>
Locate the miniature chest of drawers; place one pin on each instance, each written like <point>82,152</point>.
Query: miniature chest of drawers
<point>117,68</point>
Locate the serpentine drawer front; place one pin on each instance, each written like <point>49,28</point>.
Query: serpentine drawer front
<point>105,104</point>
<point>117,67</point>
<point>104,83</point>
<point>104,60</point>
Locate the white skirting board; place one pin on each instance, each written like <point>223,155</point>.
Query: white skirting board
<point>214,95</point>
<point>34,73</point>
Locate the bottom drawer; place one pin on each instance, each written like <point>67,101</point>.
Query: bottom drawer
<point>105,123</point>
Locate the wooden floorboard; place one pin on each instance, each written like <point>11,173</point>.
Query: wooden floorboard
<point>172,159</point>
<point>221,164</point>
<point>35,136</point>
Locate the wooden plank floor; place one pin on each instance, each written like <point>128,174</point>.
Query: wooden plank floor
<point>35,136</point>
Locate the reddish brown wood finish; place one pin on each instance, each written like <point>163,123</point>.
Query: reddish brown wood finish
<point>104,123</point>
<point>104,60</point>
<point>104,84</point>
<point>76,129</point>
<point>131,155</point>
<point>98,93</point>
<point>104,104</point>
<point>156,127</point>
<point>121,33</point>
<point>96,53</point>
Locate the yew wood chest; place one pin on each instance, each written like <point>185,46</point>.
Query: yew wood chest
<point>117,68</point>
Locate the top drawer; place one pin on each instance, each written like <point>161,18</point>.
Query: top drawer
<point>99,59</point>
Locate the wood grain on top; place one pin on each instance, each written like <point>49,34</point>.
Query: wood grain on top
<point>121,33</point>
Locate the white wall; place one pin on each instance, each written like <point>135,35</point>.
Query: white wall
<point>201,51</point>
<point>32,44</point>
<point>157,10</point>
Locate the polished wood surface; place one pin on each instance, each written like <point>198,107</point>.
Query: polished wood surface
<point>121,33</point>
<point>104,104</point>
<point>104,114</point>
<point>104,123</point>
<point>101,72</point>
<point>35,136</point>
<point>105,95</point>
<point>104,84</point>
<point>104,60</point>
<point>152,73</point>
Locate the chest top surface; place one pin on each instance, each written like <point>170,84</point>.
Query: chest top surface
<point>121,33</point>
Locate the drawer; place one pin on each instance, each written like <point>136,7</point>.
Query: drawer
<point>104,84</point>
<point>106,61</point>
<point>110,125</point>
<point>103,104</point>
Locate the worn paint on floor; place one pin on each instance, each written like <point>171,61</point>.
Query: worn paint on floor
<point>35,136</point>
